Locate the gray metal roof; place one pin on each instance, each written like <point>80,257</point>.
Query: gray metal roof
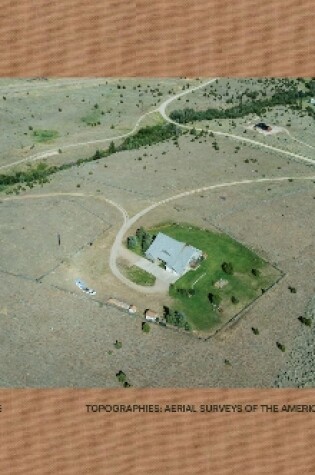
<point>175,254</point>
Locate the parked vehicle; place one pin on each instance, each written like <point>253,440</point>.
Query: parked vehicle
<point>79,283</point>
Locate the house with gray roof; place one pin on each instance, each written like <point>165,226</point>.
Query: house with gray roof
<point>177,256</point>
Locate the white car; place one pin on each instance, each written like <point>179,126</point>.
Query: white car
<point>79,283</point>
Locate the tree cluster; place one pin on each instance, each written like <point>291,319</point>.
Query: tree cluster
<point>149,136</point>
<point>186,292</point>
<point>176,318</point>
<point>292,96</point>
<point>142,239</point>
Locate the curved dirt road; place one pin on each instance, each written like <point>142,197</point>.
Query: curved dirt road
<point>162,110</point>
<point>74,195</point>
<point>117,246</point>
<point>54,152</point>
<point>243,139</point>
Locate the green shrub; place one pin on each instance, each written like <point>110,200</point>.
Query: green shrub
<point>227,267</point>
<point>132,242</point>
<point>280,346</point>
<point>121,376</point>
<point>305,321</point>
<point>146,327</point>
<point>45,135</point>
<point>215,299</point>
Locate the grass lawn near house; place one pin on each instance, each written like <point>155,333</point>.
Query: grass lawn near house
<point>139,276</point>
<point>202,315</point>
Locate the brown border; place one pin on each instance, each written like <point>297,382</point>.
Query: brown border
<point>164,38</point>
<point>49,431</point>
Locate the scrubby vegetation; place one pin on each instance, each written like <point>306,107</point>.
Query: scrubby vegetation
<point>306,321</point>
<point>40,173</point>
<point>118,344</point>
<point>45,135</point>
<point>122,378</point>
<point>149,136</point>
<point>176,318</point>
<point>292,96</point>
<point>145,327</point>
<point>280,346</point>
<point>37,174</point>
<point>93,118</point>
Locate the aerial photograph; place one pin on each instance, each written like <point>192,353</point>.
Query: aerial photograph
<point>157,232</point>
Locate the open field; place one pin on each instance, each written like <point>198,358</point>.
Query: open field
<point>68,106</point>
<point>58,336</point>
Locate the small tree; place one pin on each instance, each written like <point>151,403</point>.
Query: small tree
<point>97,155</point>
<point>255,331</point>
<point>280,346</point>
<point>256,272</point>
<point>166,311</point>
<point>132,242</point>
<point>111,148</point>
<point>118,344</point>
<point>305,321</point>
<point>234,299</point>
<point>140,233</point>
<point>215,299</point>
<point>227,267</point>
<point>121,376</point>
<point>146,242</point>
<point>145,327</point>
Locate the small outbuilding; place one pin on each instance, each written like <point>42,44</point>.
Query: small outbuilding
<point>263,126</point>
<point>123,305</point>
<point>151,315</point>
